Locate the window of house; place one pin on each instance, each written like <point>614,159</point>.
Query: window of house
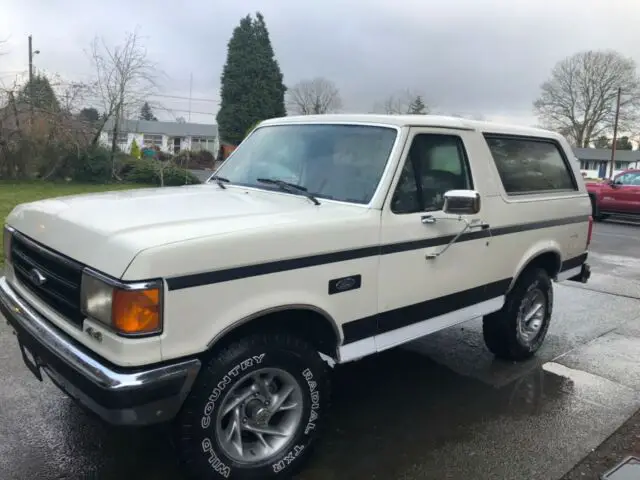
<point>202,143</point>
<point>530,165</point>
<point>121,138</point>
<point>152,140</point>
<point>434,165</point>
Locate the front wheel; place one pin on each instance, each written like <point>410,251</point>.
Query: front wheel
<point>517,331</point>
<point>255,410</point>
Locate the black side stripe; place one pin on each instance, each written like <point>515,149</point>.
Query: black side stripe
<point>411,314</point>
<point>401,317</point>
<point>573,262</point>
<point>235,273</point>
<point>218,276</point>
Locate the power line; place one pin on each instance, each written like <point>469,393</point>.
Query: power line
<point>161,95</point>
<point>187,111</point>
<point>150,95</point>
<point>185,98</point>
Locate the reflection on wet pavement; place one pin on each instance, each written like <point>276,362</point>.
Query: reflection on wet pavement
<point>416,419</point>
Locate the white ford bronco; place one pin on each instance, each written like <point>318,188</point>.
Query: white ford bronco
<point>322,239</point>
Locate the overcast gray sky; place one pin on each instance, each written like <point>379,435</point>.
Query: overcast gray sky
<point>466,56</point>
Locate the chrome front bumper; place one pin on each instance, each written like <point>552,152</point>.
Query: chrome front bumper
<point>120,396</point>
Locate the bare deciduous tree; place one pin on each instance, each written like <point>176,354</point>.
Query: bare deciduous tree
<point>71,95</point>
<point>124,78</point>
<point>579,100</point>
<point>314,96</point>
<point>39,141</point>
<point>401,103</point>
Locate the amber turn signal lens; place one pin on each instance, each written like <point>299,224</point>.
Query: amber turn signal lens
<point>136,311</point>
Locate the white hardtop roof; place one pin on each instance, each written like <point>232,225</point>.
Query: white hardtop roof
<point>416,121</point>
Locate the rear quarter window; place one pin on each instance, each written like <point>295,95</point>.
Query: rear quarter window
<point>530,165</point>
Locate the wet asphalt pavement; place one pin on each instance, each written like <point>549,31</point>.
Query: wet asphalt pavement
<point>440,408</point>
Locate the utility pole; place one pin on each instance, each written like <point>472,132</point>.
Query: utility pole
<point>30,59</point>
<point>615,134</point>
<point>190,92</point>
<point>31,76</point>
<point>186,171</point>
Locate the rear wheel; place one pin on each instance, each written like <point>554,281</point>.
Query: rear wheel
<point>517,331</point>
<point>255,410</point>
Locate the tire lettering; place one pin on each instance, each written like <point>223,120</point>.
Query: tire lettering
<point>209,407</point>
<point>217,465</point>
<point>315,401</point>
<point>288,459</point>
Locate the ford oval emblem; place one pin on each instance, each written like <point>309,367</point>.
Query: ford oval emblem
<point>345,284</point>
<point>36,277</point>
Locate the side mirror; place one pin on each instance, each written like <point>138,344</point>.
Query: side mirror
<point>461,202</point>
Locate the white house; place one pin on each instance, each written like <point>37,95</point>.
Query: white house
<point>595,162</point>
<point>170,137</point>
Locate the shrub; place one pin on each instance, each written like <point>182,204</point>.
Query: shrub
<point>135,149</point>
<point>90,166</point>
<point>148,172</point>
<point>200,159</point>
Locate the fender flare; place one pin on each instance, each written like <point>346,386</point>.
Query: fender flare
<point>533,254</point>
<point>229,329</point>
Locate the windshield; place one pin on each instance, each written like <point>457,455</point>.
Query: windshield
<point>338,162</point>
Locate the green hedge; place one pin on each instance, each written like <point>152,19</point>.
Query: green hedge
<point>147,172</point>
<point>91,166</point>
<point>94,166</point>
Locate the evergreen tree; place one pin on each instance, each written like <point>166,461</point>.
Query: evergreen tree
<point>623,143</point>
<point>602,142</point>
<point>135,149</point>
<point>252,86</point>
<point>146,113</point>
<point>89,114</point>
<point>417,106</point>
<point>39,94</point>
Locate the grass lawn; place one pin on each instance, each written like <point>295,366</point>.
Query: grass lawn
<point>13,193</point>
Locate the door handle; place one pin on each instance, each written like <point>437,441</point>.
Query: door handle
<point>430,219</point>
<point>480,225</point>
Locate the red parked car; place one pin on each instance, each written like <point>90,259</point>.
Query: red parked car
<point>619,196</point>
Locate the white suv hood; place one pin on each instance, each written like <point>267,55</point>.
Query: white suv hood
<point>107,230</point>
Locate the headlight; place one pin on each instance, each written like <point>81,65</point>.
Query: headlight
<point>129,309</point>
<point>6,242</point>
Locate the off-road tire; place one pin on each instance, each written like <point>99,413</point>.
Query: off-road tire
<point>500,329</point>
<point>198,447</point>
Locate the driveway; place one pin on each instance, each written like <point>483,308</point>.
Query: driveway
<point>441,407</point>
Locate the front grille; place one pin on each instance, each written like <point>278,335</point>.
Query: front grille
<point>53,278</point>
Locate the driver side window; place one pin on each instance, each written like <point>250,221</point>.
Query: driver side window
<point>632,178</point>
<point>434,165</point>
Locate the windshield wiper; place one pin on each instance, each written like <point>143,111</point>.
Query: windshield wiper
<point>220,181</point>
<point>290,187</point>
